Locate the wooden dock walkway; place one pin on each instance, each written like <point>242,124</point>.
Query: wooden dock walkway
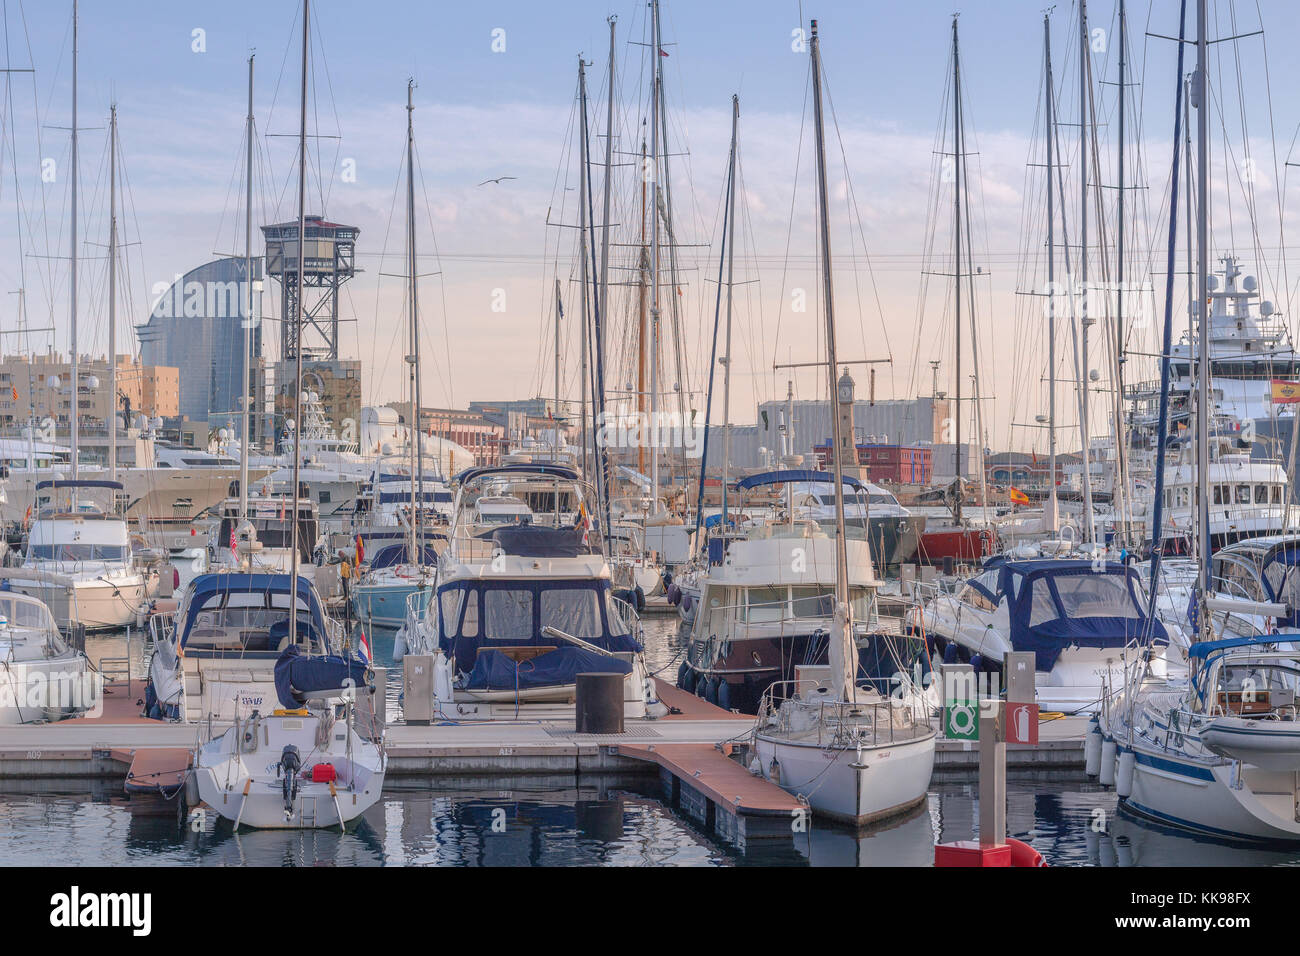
<point>705,784</point>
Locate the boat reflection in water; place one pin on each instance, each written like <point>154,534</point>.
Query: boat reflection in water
<point>549,822</point>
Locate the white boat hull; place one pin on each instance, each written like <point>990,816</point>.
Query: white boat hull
<point>1205,797</point>
<point>243,783</point>
<point>889,779</point>
<point>97,603</point>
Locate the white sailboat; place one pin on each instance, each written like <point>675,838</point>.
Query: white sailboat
<point>1218,754</point>
<point>304,764</point>
<point>856,756</point>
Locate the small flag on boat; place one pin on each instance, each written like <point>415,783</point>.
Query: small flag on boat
<point>233,549</point>
<point>1285,393</point>
<point>361,551</point>
<point>663,52</point>
<point>1018,496</point>
<point>364,645</point>
<point>14,390</point>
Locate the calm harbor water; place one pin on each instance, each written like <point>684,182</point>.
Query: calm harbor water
<point>552,822</point>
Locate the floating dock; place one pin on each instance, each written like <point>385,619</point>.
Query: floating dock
<point>690,751</point>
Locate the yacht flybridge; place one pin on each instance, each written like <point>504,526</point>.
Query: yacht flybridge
<point>79,560</point>
<point>525,604</point>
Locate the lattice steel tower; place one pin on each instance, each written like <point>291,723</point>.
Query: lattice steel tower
<point>330,261</point>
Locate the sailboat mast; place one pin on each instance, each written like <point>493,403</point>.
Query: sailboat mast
<point>248,300</point>
<point>297,321</point>
<point>74,415</point>
<point>641,330</point>
<point>956,251</point>
<point>731,262</point>
<point>653,431</point>
<point>1086,321</point>
<point>1053,505</point>
<point>417,455</point>
<point>842,652</point>
<point>1201,101</point>
<point>609,168</point>
<point>112,293</point>
<point>583,237</point>
<point>1121,433</point>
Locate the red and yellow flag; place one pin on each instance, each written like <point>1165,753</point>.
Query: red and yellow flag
<point>1285,393</point>
<point>1019,497</point>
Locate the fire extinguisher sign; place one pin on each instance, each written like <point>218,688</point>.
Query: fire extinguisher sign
<point>1022,723</point>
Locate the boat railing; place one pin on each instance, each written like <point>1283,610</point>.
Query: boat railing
<point>838,723</point>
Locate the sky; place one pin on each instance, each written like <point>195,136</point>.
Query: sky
<point>495,96</point>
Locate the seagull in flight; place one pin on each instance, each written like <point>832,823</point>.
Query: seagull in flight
<point>499,179</point>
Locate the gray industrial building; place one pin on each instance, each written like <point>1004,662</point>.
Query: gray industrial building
<point>917,421</point>
<point>196,326</point>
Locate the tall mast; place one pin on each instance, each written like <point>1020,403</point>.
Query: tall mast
<point>609,167</point>
<point>731,261</point>
<point>956,253</point>
<point>112,293</point>
<point>417,453</point>
<point>297,321</point>
<point>1121,433</point>
<point>583,226</point>
<point>842,653</point>
<point>1053,507</point>
<point>1201,101</point>
<point>641,330</point>
<point>74,415</point>
<point>1086,321</point>
<point>248,299</point>
<point>654,259</point>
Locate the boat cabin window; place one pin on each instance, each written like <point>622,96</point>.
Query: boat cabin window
<point>1277,494</point>
<point>976,599</point>
<point>1092,595</point>
<point>1261,494</point>
<point>1243,495</point>
<point>574,611</point>
<point>812,602</point>
<point>765,604</point>
<point>507,614</point>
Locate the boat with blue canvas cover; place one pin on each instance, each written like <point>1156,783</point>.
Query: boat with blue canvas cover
<point>215,657</point>
<point>522,608</point>
<point>1079,618</point>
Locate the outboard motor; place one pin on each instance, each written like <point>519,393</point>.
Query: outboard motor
<point>290,767</point>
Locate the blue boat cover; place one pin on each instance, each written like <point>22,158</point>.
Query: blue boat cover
<point>1055,603</point>
<point>574,607</point>
<point>211,590</point>
<point>538,541</point>
<point>297,675</point>
<point>1280,573</point>
<point>796,474</point>
<point>495,671</point>
<point>478,471</point>
<point>392,555</point>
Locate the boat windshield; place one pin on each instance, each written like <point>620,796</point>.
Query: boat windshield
<point>39,635</point>
<point>77,551</point>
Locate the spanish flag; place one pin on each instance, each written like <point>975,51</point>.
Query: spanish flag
<point>1019,497</point>
<point>361,551</point>
<point>1285,393</point>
